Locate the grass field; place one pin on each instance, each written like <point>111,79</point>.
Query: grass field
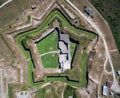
<point>69,91</point>
<point>2,1</point>
<point>50,61</point>
<point>83,67</point>
<point>72,49</point>
<point>50,43</point>
<point>10,12</point>
<point>110,10</point>
<point>41,93</point>
<point>10,90</point>
<point>37,31</point>
<point>54,91</point>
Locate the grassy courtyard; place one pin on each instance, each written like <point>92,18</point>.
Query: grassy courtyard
<point>50,60</point>
<point>50,43</point>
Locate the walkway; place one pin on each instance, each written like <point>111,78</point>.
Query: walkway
<point>49,53</point>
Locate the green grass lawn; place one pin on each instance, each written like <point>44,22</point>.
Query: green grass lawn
<point>50,61</point>
<point>28,19</point>
<point>72,49</point>
<point>69,91</point>
<point>50,43</point>
<point>41,93</point>
<point>10,90</point>
<point>83,67</point>
<point>30,70</point>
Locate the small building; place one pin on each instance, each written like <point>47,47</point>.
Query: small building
<point>33,7</point>
<point>23,94</point>
<point>70,97</point>
<point>105,90</point>
<point>89,11</point>
<point>118,72</point>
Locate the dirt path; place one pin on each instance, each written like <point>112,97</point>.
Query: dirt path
<point>5,3</point>
<point>49,53</point>
<point>105,70</point>
<point>44,85</point>
<point>95,26</point>
<point>99,85</point>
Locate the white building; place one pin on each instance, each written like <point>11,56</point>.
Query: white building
<point>105,90</point>
<point>23,94</point>
<point>118,72</point>
<point>64,52</point>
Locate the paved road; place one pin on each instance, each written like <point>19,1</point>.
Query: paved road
<point>95,26</point>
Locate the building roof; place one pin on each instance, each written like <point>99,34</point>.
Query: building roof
<point>62,46</point>
<point>70,97</point>
<point>64,52</point>
<point>89,10</point>
<point>33,6</point>
<point>105,90</point>
<point>118,72</point>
